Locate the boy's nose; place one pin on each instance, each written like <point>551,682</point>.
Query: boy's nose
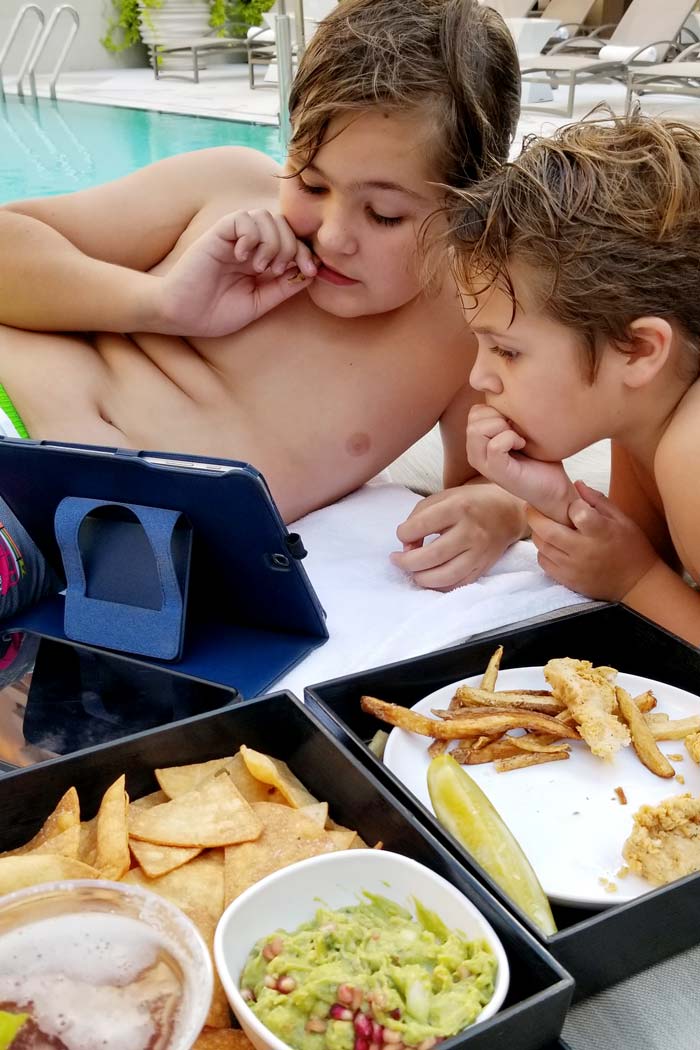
<point>336,235</point>
<point>483,377</point>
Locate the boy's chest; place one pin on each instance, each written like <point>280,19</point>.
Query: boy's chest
<point>355,383</point>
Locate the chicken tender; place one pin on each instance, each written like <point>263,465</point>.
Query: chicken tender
<point>589,693</point>
<point>692,744</point>
<point>665,841</point>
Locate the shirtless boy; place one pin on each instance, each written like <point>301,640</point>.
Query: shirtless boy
<point>182,331</point>
<point>582,261</point>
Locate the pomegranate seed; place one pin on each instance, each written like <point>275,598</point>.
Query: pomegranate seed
<point>427,1044</point>
<point>273,948</point>
<point>270,981</point>
<point>357,998</point>
<point>396,1014</point>
<point>377,1032</point>
<point>286,985</point>
<point>374,1046</point>
<point>344,994</point>
<point>315,1024</point>
<point>363,1025</point>
<point>340,1013</point>
<point>361,1043</point>
<point>390,1036</point>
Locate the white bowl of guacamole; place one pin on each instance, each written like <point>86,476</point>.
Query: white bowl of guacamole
<point>357,950</point>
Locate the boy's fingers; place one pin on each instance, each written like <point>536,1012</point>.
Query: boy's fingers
<point>269,244</point>
<point>304,259</point>
<point>457,572</point>
<point>272,293</point>
<point>288,245</point>
<point>428,555</point>
<point>596,499</point>
<point>506,441</point>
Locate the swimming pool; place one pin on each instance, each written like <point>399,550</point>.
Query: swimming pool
<point>55,147</point>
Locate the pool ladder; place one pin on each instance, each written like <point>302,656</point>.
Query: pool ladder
<point>42,34</point>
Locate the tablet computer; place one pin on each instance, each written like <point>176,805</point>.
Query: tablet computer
<point>252,613</point>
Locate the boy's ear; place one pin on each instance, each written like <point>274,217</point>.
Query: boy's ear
<point>648,347</point>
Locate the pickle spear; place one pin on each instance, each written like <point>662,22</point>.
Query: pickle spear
<point>464,810</point>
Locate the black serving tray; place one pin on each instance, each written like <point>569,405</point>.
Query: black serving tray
<point>598,948</point>
<point>540,989</point>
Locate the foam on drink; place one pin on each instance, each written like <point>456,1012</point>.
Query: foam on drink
<point>90,980</point>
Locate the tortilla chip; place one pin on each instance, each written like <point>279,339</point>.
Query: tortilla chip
<point>277,773</point>
<point>318,812</point>
<point>177,780</point>
<point>223,1039</point>
<point>148,801</point>
<point>65,818</point>
<point>288,835</point>
<point>197,889</point>
<point>214,814</point>
<point>18,872</point>
<point>159,860</point>
<point>67,844</point>
<point>104,840</point>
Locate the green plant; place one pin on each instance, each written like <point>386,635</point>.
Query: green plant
<point>241,14</point>
<point>123,29</point>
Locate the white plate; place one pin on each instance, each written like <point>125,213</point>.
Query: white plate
<point>565,815</point>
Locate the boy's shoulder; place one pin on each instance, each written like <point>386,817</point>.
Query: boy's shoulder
<point>226,166</point>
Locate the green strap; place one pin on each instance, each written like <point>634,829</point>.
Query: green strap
<point>12,413</point>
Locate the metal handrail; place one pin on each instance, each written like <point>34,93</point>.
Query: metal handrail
<point>14,29</point>
<point>283,38</point>
<point>32,59</point>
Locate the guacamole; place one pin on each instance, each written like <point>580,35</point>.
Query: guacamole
<point>367,975</point>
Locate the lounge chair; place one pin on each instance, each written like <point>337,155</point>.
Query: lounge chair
<point>679,77</point>
<point>644,34</point>
<point>510,8</point>
<point>197,46</point>
<point>261,43</point>
<point>571,15</point>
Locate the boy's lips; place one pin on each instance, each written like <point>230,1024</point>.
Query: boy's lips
<point>327,273</point>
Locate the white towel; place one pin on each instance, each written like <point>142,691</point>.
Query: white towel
<point>618,53</point>
<point>376,614</point>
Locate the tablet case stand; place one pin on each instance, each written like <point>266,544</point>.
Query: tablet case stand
<point>127,571</point>
<point>249,613</point>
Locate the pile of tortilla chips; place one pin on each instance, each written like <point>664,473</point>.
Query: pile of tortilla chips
<point>212,830</point>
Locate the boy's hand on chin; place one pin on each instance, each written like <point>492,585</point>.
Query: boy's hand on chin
<point>473,525</point>
<point>602,554</point>
<point>493,448</point>
<point>246,264</point>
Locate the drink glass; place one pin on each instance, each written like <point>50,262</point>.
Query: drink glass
<point>102,965</point>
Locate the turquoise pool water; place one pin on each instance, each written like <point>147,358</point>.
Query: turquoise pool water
<point>56,147</point>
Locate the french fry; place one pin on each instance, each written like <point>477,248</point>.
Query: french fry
<point>642,735</point>
<point>470,725</point>
<point>675,728</point>
<point>537,744</point>
<point>524,761</point>
<point>535,700</point>
<point>488,681</point>
<point>470,756</point>
<point>646,701</point>
<point>490,675</point>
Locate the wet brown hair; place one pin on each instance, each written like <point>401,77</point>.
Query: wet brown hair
<point>452,59</point>
<point>605,216</point>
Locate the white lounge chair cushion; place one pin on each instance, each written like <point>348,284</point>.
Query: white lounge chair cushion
<point>618,53</point>
<point>261,36</point>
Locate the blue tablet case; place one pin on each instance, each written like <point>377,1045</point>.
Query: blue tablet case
<point>238,607</point>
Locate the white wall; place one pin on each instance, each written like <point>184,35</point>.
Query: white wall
<point>86,53</point>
